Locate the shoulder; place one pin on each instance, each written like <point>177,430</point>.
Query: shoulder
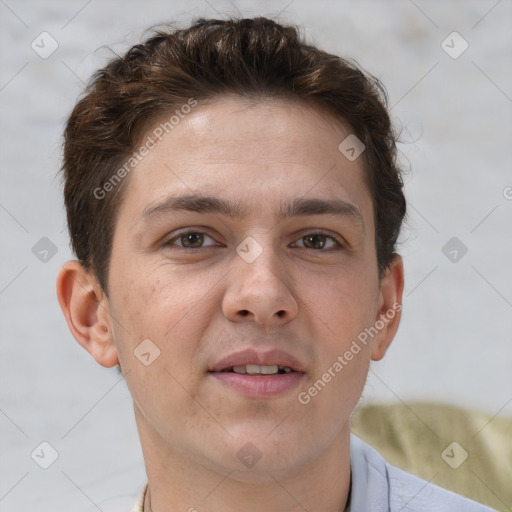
<point>409,493</point>
<point>379,486</point>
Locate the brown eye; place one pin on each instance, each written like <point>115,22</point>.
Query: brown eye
<point>189,240</point>
<point>318,241</point>
<point>192,240</point>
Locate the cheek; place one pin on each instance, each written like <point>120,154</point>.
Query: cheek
<point>158,307</point>
<point>343,302</point>
<point>152,298</point>
<point>163,306</point>
<point>340,314</point>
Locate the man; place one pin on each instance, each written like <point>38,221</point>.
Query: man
<point>234,203</point>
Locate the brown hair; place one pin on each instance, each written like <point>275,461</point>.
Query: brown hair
<point>247,57</point>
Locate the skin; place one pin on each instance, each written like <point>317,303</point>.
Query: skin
<point>202,304</point>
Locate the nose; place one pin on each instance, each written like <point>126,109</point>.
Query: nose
<point>259,291</point>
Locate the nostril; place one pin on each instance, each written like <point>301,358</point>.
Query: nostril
<point>281,313</point>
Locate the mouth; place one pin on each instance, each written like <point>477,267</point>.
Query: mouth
<point>254,369</point>
<point>259,374</point>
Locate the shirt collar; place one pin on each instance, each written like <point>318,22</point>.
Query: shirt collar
<point>139,505</point>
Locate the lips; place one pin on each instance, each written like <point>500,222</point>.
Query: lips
<point>259,375</point>
<point>254,358</point>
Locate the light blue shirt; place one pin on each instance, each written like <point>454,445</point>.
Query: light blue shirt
<point>380,487</point>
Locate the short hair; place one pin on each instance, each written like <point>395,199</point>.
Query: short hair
<point>252,58</point>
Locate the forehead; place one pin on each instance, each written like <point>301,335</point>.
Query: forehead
<point>258,151</point>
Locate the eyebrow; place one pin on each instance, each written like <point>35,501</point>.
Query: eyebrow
<point>297,207</point>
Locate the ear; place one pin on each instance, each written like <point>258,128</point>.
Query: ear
<point>87,312</point>
<point>389,307</point>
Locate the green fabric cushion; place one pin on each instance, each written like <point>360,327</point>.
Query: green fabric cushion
<point>417,437</point>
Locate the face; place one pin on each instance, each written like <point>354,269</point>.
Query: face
<point>275,269</point>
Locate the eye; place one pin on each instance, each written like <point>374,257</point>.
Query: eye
<point>189,240</point>
<point>317,241</point>
<point>196,240</point>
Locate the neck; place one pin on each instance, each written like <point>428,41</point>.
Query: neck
<point>177,482</point>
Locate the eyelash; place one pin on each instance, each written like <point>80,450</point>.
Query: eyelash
<point>338,241</point>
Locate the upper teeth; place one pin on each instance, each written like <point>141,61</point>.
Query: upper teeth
<point>265,370</point>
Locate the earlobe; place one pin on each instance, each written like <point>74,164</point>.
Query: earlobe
<point>86,310</point>
<point>389,308</point>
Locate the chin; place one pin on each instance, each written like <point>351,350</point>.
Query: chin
<point>268,470</point>
<point>267,450</point>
